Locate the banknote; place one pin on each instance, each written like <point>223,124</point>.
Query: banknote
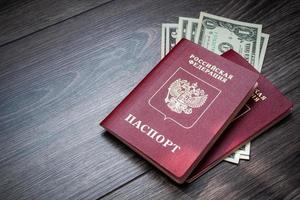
<point>192,32</point>
<point>163,40</point>
<point>233,158</point>
<point>244,157</point>
<point>183,24</point>
<point>219,34</point>
<point>194,26</point>
<point>169,36</point>
<point>242,153</point>
<point>245,149</point>
<point>187,28</point>
<point>263,49</point>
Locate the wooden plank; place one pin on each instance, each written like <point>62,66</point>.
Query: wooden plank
<point>149,186</point>
<point>56,84</point>
<point>20,18</point>
<point>55,87</point>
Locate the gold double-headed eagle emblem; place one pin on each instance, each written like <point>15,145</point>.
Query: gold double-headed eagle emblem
<point>182,96</point>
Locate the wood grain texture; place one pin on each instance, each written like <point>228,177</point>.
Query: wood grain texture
<point>148,186</point>
<point>68,70</point>
<point>20,18</point>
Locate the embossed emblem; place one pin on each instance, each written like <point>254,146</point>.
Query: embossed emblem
<point>183,97</point>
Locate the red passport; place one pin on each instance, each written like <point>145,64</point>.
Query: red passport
<point>176,113</point>
<point>266,107</point>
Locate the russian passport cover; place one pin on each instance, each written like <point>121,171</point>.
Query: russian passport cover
<point>176,113</point>
<point>266,107</point>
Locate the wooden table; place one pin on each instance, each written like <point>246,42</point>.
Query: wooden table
<point>64,65</point>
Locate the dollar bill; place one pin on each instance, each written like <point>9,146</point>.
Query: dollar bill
<point>236,157</point>
<point>219,34</point>
<point>245,149</point>
<point>233,158</point>
<point>163,40</point>
<point>194,27</point>
<point>263,49</point>
<point>169,36</point>
<point>242,153</point>
<point>187,28</point>
<point>173,29</point>
<point>183,24</point>
<point>244,157</point>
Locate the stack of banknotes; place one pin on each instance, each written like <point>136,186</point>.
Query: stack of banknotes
<point>219,34</point>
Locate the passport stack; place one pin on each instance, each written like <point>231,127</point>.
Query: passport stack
<point>175,115</point>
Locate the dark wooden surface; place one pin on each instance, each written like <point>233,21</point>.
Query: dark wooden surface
<point>64,65</point>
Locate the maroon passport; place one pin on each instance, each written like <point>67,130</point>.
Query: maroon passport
<point>266,107</point>
<point>176,113</point>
